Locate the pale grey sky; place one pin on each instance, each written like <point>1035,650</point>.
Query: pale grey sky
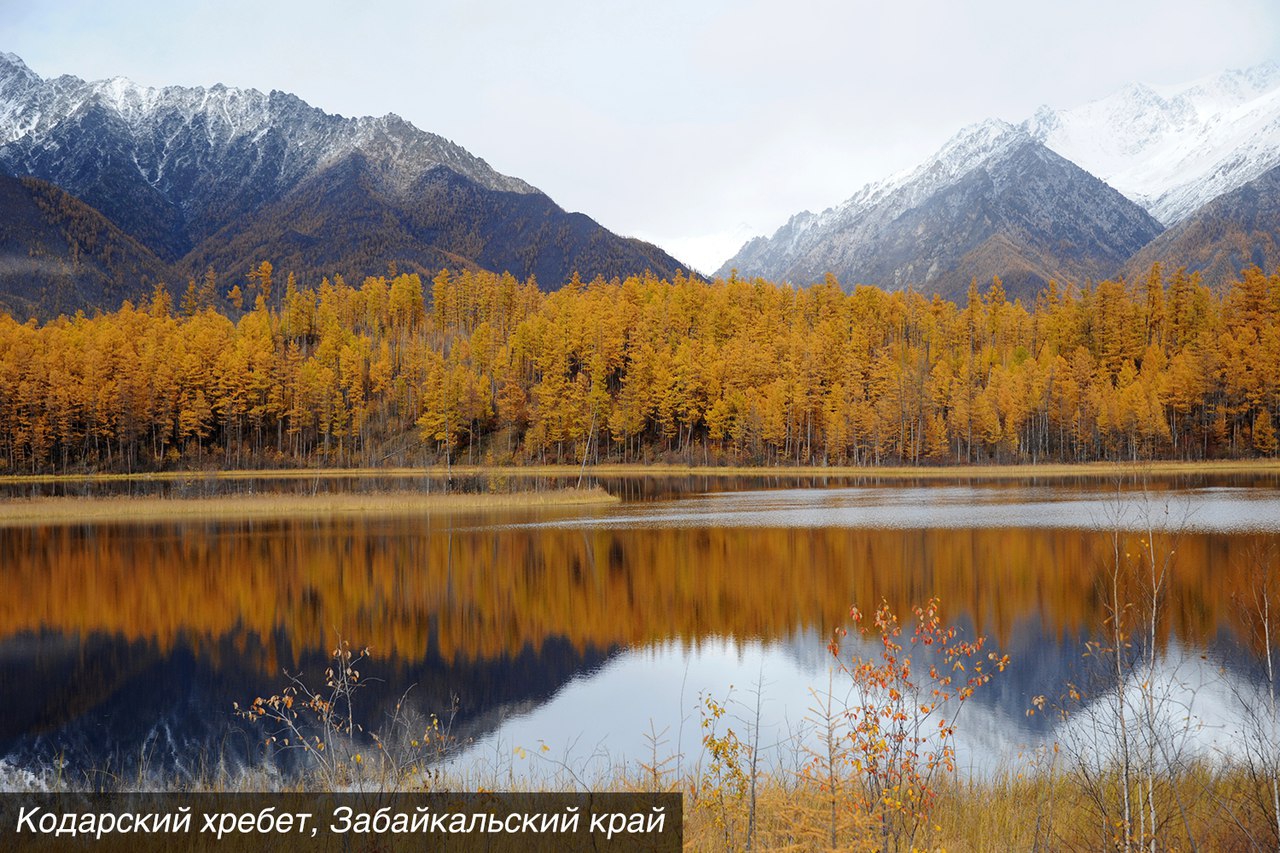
<point>692,124</point>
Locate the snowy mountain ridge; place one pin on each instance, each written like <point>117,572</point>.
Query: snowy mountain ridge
<point>175,129</point>
<point>969,148</point>
<point>877,204</point>
<point>1169,150</point>
<point>992,201</point>
<point>1173,149</point>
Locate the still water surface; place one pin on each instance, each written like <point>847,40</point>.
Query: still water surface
<point>594,631</point>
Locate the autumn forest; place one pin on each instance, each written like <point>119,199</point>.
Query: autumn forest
<point>482,368</point>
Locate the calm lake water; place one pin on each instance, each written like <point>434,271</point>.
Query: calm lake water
<point>594,632</point>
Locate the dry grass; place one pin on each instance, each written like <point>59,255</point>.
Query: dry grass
<point>66,510</point>
<point>950,472</point>
<point>1011,811</point>
<point>1203,807</point>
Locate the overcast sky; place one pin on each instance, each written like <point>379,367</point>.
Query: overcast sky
<point>692,124</point>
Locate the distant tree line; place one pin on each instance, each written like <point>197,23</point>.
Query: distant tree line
<point>480,367</point>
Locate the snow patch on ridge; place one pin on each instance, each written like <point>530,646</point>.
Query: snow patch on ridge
<point>1173,149</point>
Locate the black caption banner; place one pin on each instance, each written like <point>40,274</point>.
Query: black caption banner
<point>139,823</point>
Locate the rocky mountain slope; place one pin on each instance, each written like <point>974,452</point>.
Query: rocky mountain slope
<point>1072,194</point>
<point>58,255</point>
<point>993,201</point>
<point>1234,230</point>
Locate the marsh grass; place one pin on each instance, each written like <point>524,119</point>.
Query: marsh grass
<point>63,510</point>
<point>1024,805</point>
<point>1019,807</point>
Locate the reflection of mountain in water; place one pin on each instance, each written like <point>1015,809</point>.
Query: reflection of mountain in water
<point>126,708</point>
<point>1198,701</point>
<point>1040,663</point>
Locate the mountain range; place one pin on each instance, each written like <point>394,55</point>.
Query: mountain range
<point>184,178</point>
<point>107,187</point>
<point>1185,175</point>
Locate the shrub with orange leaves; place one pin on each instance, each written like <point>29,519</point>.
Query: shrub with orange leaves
<point>901,721</point>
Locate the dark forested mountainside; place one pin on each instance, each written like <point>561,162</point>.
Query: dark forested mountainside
<point>1236,229</point>
<point>58,255</point>
<point>342,221</point>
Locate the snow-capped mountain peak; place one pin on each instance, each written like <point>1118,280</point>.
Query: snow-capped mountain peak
<point>1173,149</point>
<point>174,127</point>
<point>11,63</point>
<point>991,200</point>
<point>968,149</point>
<point>1100,173</point>
<point>1230,88</point>
<point>190,179</point>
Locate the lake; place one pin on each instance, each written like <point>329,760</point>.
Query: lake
<point>568,644</point>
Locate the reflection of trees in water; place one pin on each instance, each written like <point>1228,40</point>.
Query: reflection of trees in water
<point>413,589</point>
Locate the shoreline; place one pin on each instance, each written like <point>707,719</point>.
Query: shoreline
<point>637,470</point>
<point>65,510</point>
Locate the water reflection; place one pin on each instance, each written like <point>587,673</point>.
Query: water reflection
<point>1221,509</point>
<point>1199,708</point>
<point>577,628</point>
<point>585,728</point>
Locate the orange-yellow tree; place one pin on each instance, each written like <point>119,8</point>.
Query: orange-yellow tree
<point>908,693</point>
